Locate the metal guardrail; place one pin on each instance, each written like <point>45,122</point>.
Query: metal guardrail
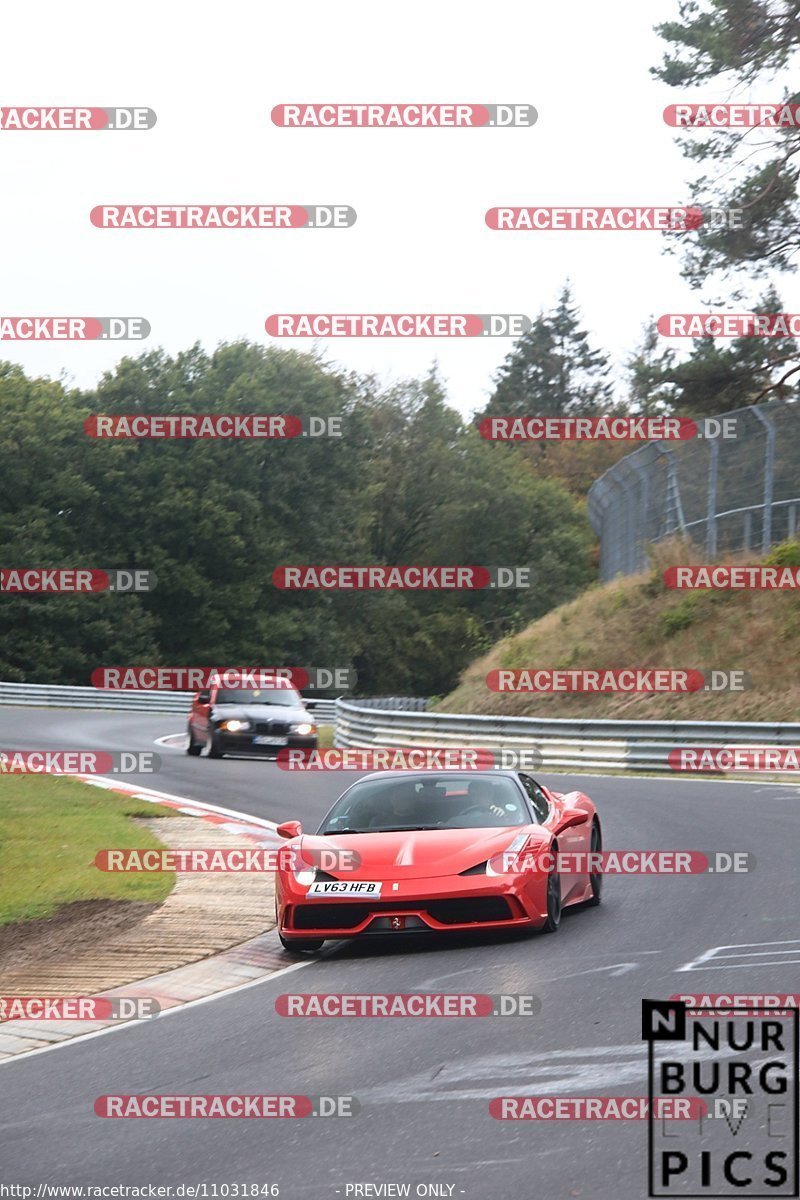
<point>562,743</point>
<point>43,695</point>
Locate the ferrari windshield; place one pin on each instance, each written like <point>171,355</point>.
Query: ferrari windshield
<point>443,802</point>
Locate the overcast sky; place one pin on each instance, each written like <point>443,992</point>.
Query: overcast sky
<point>213,73</point>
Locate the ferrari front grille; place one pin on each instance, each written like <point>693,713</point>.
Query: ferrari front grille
<point>471,910</point>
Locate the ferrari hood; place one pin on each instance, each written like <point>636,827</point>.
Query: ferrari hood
<point>414,854</point>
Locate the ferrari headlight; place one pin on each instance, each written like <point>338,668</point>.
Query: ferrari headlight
<point>235,726</point>
<point>499,864</point>
<point>304,729</point>
<point>306,876</point>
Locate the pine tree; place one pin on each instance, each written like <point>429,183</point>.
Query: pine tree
<point>552,370</point>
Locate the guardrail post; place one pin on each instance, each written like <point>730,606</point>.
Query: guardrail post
<point>769,478</point>
<point>711,499</point>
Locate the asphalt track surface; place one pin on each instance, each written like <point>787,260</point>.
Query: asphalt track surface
<point>424,1084</point>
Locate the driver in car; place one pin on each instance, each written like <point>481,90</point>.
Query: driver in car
<point>479,800</point>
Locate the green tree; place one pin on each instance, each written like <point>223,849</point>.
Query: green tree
<point>739,46</point>
<point>552,369</point>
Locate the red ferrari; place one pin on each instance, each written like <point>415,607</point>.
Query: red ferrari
<point>427,851</point>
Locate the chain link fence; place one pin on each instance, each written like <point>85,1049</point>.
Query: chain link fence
<point>726,494</point>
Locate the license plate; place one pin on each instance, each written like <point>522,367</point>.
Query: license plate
<point>263,740</point>
<point>345,887</point>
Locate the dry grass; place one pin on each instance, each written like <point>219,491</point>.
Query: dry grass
<point>637,622</point>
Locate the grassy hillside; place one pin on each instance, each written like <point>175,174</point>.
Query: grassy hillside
<point>637,622</point>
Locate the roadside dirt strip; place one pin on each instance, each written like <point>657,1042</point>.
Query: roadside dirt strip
<point>213,932</point>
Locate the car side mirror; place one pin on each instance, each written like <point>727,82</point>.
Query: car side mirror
<point>204,697</point>
<point>289,829</point>
<point>571,817</point>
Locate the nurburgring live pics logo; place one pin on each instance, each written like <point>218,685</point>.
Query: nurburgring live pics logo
<point>61,580</point>
<point>225,426</point>
<point>196,679</point>
<point>413,578</point>
<point>223,216</point>
<point>73,329</point>
<point>734,325</point>
<point>408,116</point>
<point>75,119</point>
<point>390,325</point>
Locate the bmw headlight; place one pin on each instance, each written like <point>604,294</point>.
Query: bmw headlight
<point>235,726</point>
<point>304,728</point>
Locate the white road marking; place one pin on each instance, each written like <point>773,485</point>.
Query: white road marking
<point>613,969</point>
<point>745,951</point>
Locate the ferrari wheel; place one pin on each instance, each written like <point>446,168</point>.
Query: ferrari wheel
<point>194,747</point>
<point>301,945</point>
<point>553,900</point>
<point>596,880</point>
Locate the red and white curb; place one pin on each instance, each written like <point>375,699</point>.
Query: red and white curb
<point>258,828</point>
<point>243,966</point>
